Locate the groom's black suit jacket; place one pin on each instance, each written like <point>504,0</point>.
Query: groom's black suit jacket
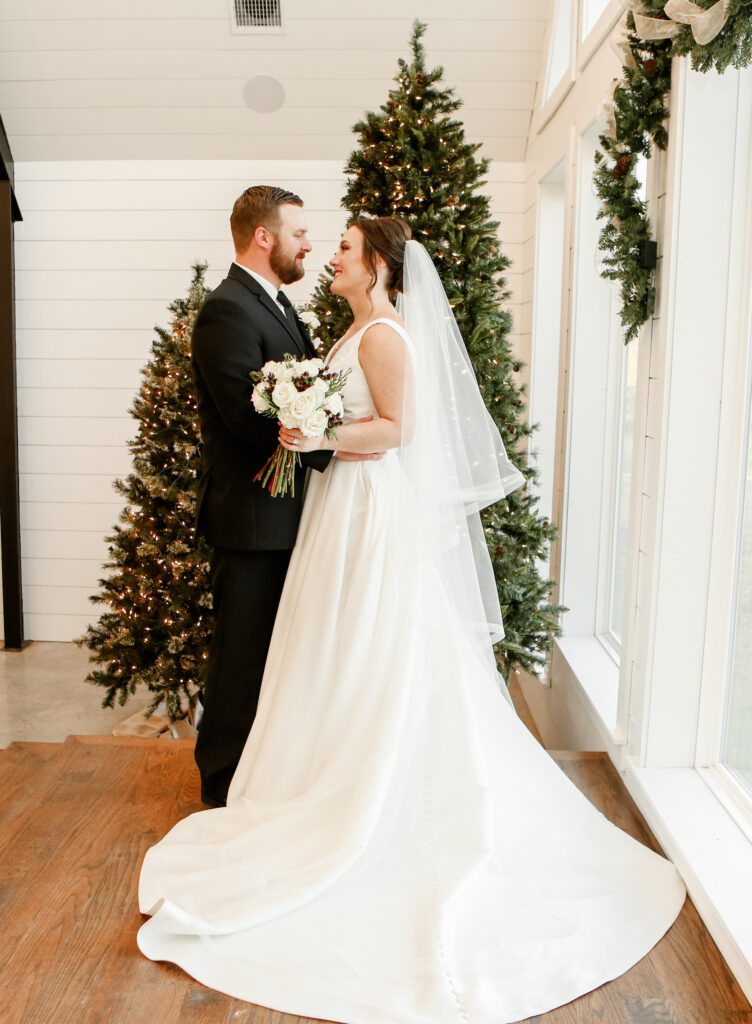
<point>238,329</point>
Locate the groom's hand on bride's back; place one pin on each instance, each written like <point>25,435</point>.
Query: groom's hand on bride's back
<point>354,456</point>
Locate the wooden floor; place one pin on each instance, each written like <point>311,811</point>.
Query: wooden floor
<point>75,821</point>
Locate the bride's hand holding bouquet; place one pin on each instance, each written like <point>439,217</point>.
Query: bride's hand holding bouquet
<point>304,396</point>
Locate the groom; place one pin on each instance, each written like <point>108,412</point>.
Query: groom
<point>244,323</point>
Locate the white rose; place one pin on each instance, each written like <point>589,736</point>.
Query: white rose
<point>320,387</point>
<point>312,366</point>
<point>305,403</point>
<point>289,420</point>
<point>284,373</point>
<point>334,404</point>
<point>284,394</point>
<point>315,424</point>
<point>258,398</point>
<point>309,318</point>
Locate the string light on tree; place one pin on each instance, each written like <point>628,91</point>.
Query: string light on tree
<point>392,173</point>
<point>156,629</point>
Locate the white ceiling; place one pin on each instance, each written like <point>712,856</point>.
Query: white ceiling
<point>161,79</point>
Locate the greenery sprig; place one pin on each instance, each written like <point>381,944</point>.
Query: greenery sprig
<point>638,125</point>
<point>732,47</point>
<point>413,161</point>
<point>639,113</point>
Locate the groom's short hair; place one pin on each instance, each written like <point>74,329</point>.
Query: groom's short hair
<point>257,207</point>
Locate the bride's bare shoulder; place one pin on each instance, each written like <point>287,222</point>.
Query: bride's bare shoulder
<point>384,327</point>
<point>382,343</point>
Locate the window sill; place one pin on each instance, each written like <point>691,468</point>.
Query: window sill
<point>687,809</point>
<point>546,111</point>
<point>695,825</point>
<point>597,674</point>
<point>713,854</point>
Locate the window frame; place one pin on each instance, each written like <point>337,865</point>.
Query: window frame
<point>588,45</point>
<point>619,355</point>
<point>736,410</point>
<point>548,328</point>
<point>596,364</point>
<point>547,105</point>
<point>664,734</point>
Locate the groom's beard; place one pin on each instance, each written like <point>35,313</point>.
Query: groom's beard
<point>287,270</point>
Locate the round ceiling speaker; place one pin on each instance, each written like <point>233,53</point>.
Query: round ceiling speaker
<point>264,93</point>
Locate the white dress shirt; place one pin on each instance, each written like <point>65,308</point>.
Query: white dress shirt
<point>268,287</point>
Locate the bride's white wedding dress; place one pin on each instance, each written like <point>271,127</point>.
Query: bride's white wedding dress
<point>396,848</point>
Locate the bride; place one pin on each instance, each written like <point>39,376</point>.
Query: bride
<point>396,848</point>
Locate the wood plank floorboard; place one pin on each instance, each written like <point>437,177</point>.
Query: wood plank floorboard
<point>523,710</point>
<point>22,768</point>
<point>75,822</point>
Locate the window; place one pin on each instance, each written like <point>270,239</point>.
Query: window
<point>601,410</point>
<point>736,744</point>
<point>623,403</point>
<point>591,12</point>
<point>559,48</point>
<point>544,364</point>
<point>622,484</point>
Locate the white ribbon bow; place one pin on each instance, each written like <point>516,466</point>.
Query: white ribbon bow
<point>705,22</point>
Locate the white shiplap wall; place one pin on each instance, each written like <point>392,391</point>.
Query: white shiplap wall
<point>87,80</point>
<point>103,248</point>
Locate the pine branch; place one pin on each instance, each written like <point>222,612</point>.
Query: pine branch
<point>156,590</point>
<point>412,161</point>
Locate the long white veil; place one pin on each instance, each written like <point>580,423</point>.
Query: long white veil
<point>452,452</point>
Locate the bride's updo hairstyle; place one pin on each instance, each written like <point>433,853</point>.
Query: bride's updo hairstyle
<point>386,237</point>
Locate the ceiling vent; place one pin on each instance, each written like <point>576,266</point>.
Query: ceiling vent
<point>257,15</point>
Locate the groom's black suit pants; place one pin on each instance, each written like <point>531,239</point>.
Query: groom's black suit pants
<point>246,588</point>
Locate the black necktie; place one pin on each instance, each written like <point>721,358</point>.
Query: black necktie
<point>287,305</point>
<point>290,315</point>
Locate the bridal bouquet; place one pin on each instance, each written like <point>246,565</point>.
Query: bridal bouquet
<point>301,394</point>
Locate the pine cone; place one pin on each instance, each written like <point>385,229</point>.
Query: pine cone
<point>621,166</point>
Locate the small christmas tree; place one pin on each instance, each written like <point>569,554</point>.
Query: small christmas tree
<point>157,628</point>
<point>413,162</point>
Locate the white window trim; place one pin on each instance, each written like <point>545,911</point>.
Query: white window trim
<point>547,106</point>
<point>586,414</point>
<point>548,327</point>
<point>711,852</point>
<point>611,484</point>
<point>732,461</point>
<point>686,422</point>
<point>690,802</point>
<point>587,652</point>
<point>589,46</point>
<point>596,671</point>
<point>665,736</point>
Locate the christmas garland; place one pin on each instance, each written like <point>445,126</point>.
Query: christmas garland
<point>633,125</point>
<point>716,35</point>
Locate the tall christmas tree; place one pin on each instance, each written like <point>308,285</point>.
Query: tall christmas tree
<point>156,630</point>
<point>413,162</point>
